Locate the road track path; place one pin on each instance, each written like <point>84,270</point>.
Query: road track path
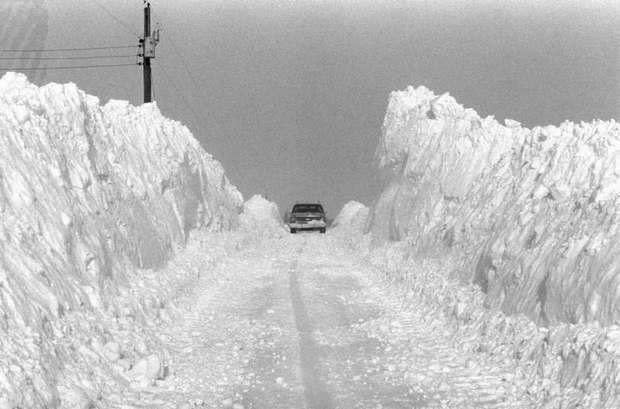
<point>300,322</point>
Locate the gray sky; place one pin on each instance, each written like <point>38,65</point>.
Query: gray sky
<point>290,95</point>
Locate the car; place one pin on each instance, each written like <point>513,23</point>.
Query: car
<point>307,216</point>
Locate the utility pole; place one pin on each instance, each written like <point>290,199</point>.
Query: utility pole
<point>147,46</point>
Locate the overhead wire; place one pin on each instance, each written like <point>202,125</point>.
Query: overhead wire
<point>194,83</point>
<point>182,96</point>
<point>185,65</point>
<point>66,49</point>
<point>26,53</point>
<point>128,28</point>
<point>125,25</point>
<point>64,67</point>
<point>89,57</point>
<point>178,52</point>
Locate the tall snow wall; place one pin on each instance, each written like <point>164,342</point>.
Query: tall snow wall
<point>88,194</point>
<point>531,216</point>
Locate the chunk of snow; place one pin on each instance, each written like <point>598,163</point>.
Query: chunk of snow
<point>261,216</point>
<point>353,216</point>
<point>112,351</point>
<point>146,371</point>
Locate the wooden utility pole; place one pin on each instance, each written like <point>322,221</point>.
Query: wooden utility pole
<point>147,45</point>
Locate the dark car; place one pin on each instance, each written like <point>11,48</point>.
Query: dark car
<point>307,216</point>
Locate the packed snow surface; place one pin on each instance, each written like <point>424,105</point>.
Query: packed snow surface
<point>89,194</point>
<point>299,321</point>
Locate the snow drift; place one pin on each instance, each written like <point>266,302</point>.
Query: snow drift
<point>88,194</point>
<point>529,217</point>
<point>352,218</point>
<point>261,216</point>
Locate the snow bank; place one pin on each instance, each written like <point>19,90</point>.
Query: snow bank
<point>261,216</point>
<point>88,194</point>
<point>567,365</point>
<point>529,217</point>
<point>352,218</point>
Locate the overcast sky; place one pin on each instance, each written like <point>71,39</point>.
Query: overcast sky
<point>290,95</point>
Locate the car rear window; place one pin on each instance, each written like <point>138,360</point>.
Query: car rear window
<point>308,208</point>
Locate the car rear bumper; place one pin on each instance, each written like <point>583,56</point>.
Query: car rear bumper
<point>314,225</point>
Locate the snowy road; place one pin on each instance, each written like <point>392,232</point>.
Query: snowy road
<point>299,323</point>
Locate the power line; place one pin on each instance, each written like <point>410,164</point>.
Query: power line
<point>90,57</point>
<point>115,18</point>
<point>182,96</point>
<point>72,67</point>
<point>195,86</point>
<point>185,64</point>
<point>69,49</point>
<point>177,51</point>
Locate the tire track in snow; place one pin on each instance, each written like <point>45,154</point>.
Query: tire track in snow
<point>296,324</point>
<point>315,391</point>
<point>272,376</point>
